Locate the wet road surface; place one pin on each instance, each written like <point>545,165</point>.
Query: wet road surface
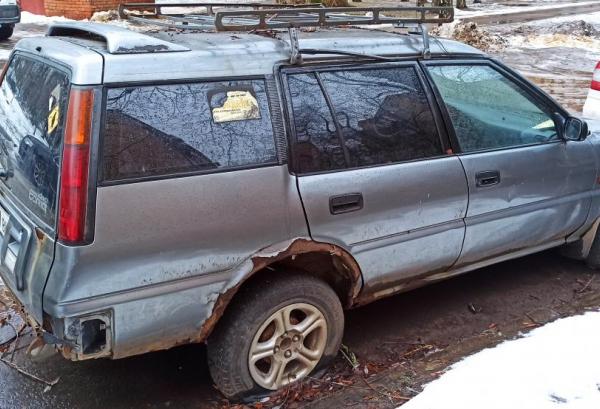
<point>438,315</point>
<point>560,71</point>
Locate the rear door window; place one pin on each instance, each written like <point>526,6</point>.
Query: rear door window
<point>33,104</point>
<point>160,130</point>
<point>361,117</point>
<point>383,115</point>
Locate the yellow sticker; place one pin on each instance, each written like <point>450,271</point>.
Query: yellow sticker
<point>545,125</point>
<point>239,106</point>
<point>53,119</point>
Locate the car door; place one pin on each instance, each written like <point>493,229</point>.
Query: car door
<point>528,189</point>
<point>374,170</point>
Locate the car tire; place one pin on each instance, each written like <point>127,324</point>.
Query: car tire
<point>6,31</point>
<point>254,321</point>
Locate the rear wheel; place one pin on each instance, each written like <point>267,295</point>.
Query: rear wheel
<point>6,31</point>
<point>593,258</point>
<point>275,333</point>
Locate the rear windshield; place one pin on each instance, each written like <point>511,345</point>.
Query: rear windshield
<point>33,100</point>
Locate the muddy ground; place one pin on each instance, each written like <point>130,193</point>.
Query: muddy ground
<point>403,341</point>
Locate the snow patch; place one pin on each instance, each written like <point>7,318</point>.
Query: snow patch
<point>591,18</point>
<point>552,367</point>
<point>30,18</point>
<point>555,40</point>
<point>501,9</point>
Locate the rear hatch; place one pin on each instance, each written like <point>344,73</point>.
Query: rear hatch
<point>33,105</point>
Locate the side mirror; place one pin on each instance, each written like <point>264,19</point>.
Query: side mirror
<point>575,129</point>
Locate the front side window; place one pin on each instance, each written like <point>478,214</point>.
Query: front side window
<point>174,129</point>
<point>489,111</point>
<point>374,117</point>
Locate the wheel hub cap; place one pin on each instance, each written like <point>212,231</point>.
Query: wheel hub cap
<point>288,345</point>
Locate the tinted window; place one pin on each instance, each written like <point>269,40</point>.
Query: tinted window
<point>488,110</point>
<point>159,130</point>
<point>318,146</point>
<point>33,102</point>
<point>383,114</point>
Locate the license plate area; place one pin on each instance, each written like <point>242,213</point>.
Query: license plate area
<point>14,236</point>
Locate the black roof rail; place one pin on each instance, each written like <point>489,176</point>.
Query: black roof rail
<point>267,16</point>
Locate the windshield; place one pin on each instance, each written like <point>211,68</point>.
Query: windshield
<point>33,101</point>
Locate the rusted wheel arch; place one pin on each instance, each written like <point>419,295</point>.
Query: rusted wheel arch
<point>346,266</point>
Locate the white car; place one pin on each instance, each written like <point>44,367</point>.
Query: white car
<point>591,109</point>
<point>10,14</point>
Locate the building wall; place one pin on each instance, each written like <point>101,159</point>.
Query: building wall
<point>80,9</point>
<point>33,6</point>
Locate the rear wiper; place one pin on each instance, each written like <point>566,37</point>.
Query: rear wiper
<point>315,51</point>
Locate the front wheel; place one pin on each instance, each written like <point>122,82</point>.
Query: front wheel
<point>6,31</point>
<point>275,333</point>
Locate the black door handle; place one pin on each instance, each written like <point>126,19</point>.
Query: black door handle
<point>350,202</point>
<point>487,178</point>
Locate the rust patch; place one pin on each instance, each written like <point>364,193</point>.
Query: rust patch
<point>39,234</point>
<point>218,310</point>
<point>297,247</point>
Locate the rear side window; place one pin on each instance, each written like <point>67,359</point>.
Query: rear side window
<point>174,129</point>
<point>33,106</point>
<point>356,118</point>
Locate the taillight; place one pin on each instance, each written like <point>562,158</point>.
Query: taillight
<point>596,78</point>
<point>74,168</point>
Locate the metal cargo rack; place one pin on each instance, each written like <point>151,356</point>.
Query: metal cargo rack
<point>268,16</point>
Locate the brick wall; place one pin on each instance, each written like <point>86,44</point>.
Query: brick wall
<point>80,9</point>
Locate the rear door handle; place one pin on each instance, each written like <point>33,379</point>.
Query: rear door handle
<point>487,178</point>
<point>350,202</point>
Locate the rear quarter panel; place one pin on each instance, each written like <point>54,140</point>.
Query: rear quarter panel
<point>164,250</point>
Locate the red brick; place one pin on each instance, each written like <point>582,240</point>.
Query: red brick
<point>80,9</point>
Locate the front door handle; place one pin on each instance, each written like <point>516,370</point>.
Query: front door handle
<point>350,202</point>
<point>487,178</point>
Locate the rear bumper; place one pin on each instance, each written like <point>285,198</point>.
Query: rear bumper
<point>10,14</point>
<point>134,321</point>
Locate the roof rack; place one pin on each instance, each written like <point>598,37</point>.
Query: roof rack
<point>261,16</point>
<point>267,16</point>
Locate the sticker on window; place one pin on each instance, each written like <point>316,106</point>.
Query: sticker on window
<point>54,110</point>
<point>238,106</point>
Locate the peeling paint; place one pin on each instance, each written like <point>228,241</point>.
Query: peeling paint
<point>288,249</point>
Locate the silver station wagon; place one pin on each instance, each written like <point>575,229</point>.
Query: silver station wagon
<point>166,184</point>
